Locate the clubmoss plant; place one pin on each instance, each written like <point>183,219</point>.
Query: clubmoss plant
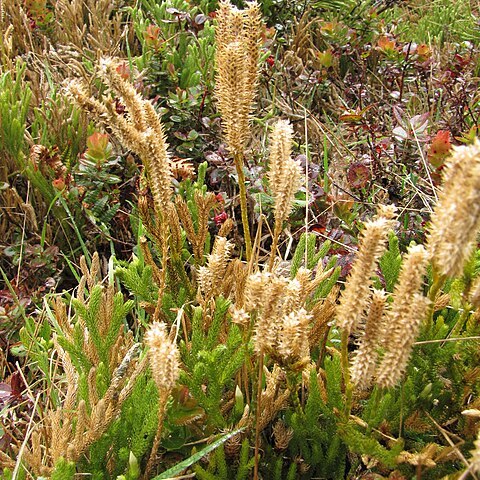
<point>164,363</point>
<point>405,318</point>
<point>450,244</point>
<point>353,356</point>
<point>284,177</point>
<point>355,296</point>
<point>238,42</point>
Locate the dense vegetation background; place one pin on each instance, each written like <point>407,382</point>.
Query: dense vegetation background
<point>244,305</point>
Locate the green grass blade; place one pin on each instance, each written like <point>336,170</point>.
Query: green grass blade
<point>180,467</point>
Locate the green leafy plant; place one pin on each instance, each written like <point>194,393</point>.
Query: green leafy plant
<point>342,344</point>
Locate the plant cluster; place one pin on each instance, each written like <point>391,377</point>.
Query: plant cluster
<point>300,301</point>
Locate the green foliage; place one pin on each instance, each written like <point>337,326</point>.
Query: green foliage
<point>186,57</point>
<point>292,472</point>
<point>379,407</point>
<point>196,456</point>
<point>212,366</point>
<point>439,21</point>
<point>326,286</point>
<point>130,437</point>
<point>427,387</point>
<point>92,314</point>
<point>138,279</point>
<point>217,467</point>
<point>188,188</point>
<point>21,474</point>
<point>315,436</point>
<point>322,439</point>
<point>15,96</point>
<point>7,474</point>
<point>63,470</point>
<point>391,262</point>
<point>343,7</point>
<point>333,374</point>
<point>175,300</point>
<point>367,445</point>
<point>137,424</point>
<point>306,251</point>
<point>306,254</point>
<point>36,338</point>
<point>246,463</point>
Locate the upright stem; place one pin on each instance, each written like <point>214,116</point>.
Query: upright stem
<point>438,281</point>
<point>243,203</point>
<point>293,385</point>
<point>163,397</point>
<point>346,375</point>
<point>375,398</point>
<point>257,416</point>
<point>460,323</point>
<point>276,235</point>
<point>163,272</point>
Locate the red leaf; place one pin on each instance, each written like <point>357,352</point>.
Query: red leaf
<point>319,228</point>
<point>97,142</point>
<point>152,36</point>
<point>17,384</point>
<point>439,148</point>
<point>358,175</point>
<point>124,70</point>
<point>386,44</point>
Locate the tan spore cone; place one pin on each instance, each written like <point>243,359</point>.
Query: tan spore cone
<point>355,297</point>
<point>365,360</point>
<point>164,359</point>
<point>283,320</point>
<point>284,173</point>
<point>140,130</point>
<point>405,317</point>
<point>237,37</point>
<point>284,177</point>
<point>455,221</point>
<point>163,356</point>
<point>392,327</point>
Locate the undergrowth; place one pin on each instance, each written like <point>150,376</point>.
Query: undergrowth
<point>239,241</point>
